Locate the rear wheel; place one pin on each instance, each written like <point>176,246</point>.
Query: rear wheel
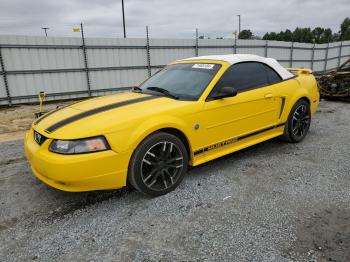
<point>298,123</point>
<point>158,165</point>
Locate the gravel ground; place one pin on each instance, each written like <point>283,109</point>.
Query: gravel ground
<point>272,202</point>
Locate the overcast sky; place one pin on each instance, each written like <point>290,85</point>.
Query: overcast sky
<point>167,18</point>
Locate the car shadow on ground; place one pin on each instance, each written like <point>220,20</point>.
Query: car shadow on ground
<point>54,204</point>
<point>82,200</point>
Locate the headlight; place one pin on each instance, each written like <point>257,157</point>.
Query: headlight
<point>80,146</point>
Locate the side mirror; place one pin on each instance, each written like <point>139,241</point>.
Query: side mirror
<point>226,91</point>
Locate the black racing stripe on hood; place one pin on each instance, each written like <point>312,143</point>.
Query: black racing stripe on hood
<point>58,108</point>
<point>49,113</point>
<point>96,111</point>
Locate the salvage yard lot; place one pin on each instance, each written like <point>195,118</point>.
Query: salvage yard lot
<point>17,119</point>
<point>274,201</point>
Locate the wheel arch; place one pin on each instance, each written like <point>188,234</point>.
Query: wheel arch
<point>172,125</point>
<point>179,134</point>
<point>170,130</point>
<point>292,101</point>
<point>304,98</point>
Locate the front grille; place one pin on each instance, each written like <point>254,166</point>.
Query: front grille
<point>39,138</point>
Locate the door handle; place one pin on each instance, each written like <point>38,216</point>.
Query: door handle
<point>268,96</point>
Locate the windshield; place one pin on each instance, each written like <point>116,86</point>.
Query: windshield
<point>186,81</point>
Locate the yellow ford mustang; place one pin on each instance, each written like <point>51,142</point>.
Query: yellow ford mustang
<point>192,111</point>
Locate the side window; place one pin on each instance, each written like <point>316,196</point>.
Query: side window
<point>272,76</point>
<point>243,76</point>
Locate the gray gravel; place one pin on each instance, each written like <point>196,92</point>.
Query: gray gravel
<point>272,202</point>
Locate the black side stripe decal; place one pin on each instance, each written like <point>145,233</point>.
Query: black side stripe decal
<point>233,140</point>
<point>96,111</point>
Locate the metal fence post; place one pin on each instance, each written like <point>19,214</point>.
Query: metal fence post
<point>266,45</point>
<point>4,75</point>
<point>340,49</point>
<point>85,59</point>
<point>291,55</point>
<point>312,57</point>
<point>148,53</point>
<point>196,46</point>
<point>326,58</point>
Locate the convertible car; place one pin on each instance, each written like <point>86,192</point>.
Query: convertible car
<point>190,112</point>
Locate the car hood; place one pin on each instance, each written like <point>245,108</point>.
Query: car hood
<point>102,115</point>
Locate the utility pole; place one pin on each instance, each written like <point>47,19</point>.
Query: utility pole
<point>148,53</point>
<point>123,18</point>
<point>196,46</point>
<point>45,29</point>
<point>85,60</point>
<point>239,25</point>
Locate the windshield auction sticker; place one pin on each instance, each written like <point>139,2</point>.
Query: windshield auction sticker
<point>203,66</point>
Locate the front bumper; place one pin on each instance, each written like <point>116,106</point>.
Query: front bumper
<point>81,172</point>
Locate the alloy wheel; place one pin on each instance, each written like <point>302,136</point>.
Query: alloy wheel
<point>161,166</point>
<point>300,121</point>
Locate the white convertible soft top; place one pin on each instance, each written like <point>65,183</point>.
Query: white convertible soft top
<point>237,58</point>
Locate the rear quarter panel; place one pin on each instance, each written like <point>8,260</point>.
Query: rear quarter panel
<point>309,82</point>
<point>304,86</point>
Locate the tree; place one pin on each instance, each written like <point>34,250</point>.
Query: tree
<point>317,35</point>
<point>266,36</point>
<point>288,36</point>
<point>303,35</point>
<point>270,36</point>
<point>245,34</point>
<point>344,33</point>
<point>328,36</point>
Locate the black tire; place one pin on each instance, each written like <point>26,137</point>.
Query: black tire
<point>298,123</point>
<point>158,164</point>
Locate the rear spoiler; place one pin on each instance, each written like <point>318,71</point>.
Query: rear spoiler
<point>300,71</point>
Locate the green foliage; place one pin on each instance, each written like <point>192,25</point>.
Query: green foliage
<point>245,34</point>
<point>344,33</point>
<point>318,35</point>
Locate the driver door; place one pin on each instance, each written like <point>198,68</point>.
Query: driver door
<point>253,109</point>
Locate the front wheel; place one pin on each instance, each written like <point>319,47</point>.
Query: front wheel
<point>298,122</point>
<point>158,164</point>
